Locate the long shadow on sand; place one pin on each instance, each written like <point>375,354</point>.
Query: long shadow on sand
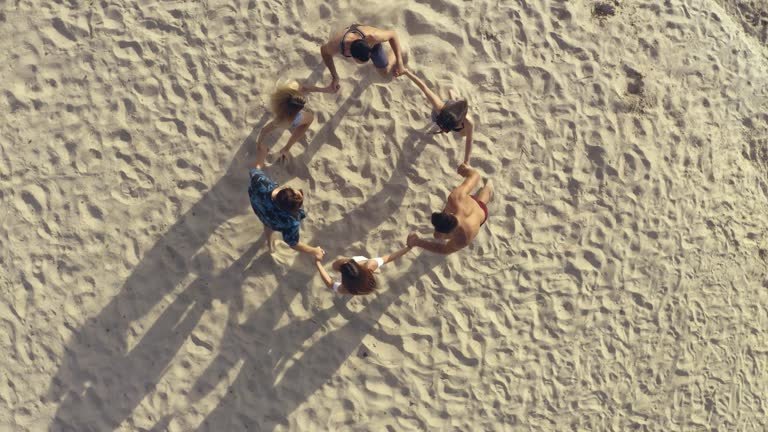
<point>99,384</point>
<point>265,392</point>
<point>268,387</point>
<point>322,136</point>
<point>86,380</point>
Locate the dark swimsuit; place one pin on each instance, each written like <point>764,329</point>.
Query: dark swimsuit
<point>484,207</point>
<point>378,53</point>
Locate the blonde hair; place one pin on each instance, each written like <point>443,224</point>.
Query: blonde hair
<point>287,101</point>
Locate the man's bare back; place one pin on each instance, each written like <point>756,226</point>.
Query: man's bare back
<point>469,214</point>
<point>460,221</point>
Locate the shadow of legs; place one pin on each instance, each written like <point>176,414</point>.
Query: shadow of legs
<point>256,386</point>
<point>257,401</point>
<point>91,356</point>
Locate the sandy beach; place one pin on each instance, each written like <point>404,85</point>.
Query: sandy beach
<point>619,284</point>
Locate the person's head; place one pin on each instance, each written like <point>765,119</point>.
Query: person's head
<point>287,101</point>
<point>357,279</point>
<point>444,224</point>
<point>451,117</point>
<point>360,51</point>
<point>289,199</point>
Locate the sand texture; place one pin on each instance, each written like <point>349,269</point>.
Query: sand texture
<point>620,283</point>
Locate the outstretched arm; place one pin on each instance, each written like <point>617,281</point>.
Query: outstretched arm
<point>432,98</point>
<point>316,252</point>
<point>373,264</point>
<point>471,180</point>
<point>261,148</point>
<point>469,127</point>
<point>327,54</point>
<point>306,88</point>
<point>324,274</point>
<point>441,248</point>
<point>394,42</point>
<point>395,255</point>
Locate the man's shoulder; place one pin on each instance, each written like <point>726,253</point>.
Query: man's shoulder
<point>459,198</point>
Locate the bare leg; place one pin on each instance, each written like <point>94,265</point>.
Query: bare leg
<point>485,194</point>
<point>268,236</point>
<point>386,72</point>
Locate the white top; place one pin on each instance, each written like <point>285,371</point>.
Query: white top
<point>360,258</point>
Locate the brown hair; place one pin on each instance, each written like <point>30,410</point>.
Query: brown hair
<point>287,101</point>
<point>357,279</point>
<point>450,117</point>
<point>289,200</point>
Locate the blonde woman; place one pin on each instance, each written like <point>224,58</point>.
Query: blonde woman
<point>357,273</point>
<point>288,105</point>
<point>450,115</point>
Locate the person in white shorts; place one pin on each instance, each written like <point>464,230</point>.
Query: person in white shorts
<point>357,272</point>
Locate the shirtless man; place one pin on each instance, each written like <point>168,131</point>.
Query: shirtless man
<point>460,221</point>
<point>364,43</point>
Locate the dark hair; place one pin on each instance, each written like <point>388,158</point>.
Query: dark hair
<point>357,279</point>
<point>289,200</point>
<point>360,50</point>
<point>450,117</point>
<point>444,222</point>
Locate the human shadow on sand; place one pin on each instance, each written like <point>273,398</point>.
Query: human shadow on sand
<point>271,383</point>
<point>101,381</point>
<point>268,387</point>
<point>86,377</point>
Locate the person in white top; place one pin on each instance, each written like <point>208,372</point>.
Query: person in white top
<point>357,272</point>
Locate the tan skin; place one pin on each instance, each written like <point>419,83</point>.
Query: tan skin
<point>298,133</point>
<point>316,251</point>
<point>437,103</point>
<point>468,212</point>
<point>373,36</point>
<point>371,264</point>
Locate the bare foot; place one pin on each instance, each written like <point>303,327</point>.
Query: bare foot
<point>486,192</point>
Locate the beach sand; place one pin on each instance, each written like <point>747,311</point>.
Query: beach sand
<point>619,284</point>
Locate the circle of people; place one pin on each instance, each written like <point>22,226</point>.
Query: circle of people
<point>280,208</point>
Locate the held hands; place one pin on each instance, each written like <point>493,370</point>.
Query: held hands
<point>318,253</point>
<point>283,155</point>
<point>334,86</point>
<point>413,238</point>
<point>464,169</point>
<point>399,69</point>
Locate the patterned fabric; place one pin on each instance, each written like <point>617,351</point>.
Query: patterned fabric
<point>260,191</point>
